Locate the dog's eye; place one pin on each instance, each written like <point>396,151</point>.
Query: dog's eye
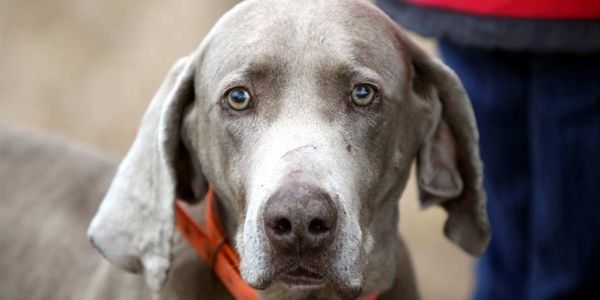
<point>363,94</point>
<point>239,99</point>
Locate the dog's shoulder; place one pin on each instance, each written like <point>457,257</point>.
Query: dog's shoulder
<point>49,190</point>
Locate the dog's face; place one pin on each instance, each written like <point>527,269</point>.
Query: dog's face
<point>313,118</point>
<point>305,118</point>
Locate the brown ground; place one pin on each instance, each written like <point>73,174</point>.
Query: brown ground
<point>87,69</point>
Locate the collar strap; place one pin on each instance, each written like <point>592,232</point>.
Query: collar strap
<point>211,244</point>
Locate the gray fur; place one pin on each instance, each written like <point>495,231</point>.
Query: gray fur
<point>300,60</point>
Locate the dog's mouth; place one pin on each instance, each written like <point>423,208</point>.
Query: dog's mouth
<point>302,277</point>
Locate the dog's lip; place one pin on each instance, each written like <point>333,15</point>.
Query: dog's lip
<point>300,276</point>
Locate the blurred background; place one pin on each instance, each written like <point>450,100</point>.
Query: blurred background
<point>87,70</point>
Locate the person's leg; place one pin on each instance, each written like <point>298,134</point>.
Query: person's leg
<point>565,224</point>
<point>497,83</point>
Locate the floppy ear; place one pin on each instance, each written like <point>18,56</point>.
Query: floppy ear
<point>134,225</point>
<point>449,168</point>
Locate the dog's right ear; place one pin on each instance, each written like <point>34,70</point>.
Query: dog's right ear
<point>134,225</point>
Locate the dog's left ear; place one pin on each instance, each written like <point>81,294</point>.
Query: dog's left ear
<point>134,225</point>
<point>449,168</point>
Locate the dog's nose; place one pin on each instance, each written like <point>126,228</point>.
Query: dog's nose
<point>300,219</point>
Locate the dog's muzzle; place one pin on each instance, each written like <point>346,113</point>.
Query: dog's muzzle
<point>300,222</point>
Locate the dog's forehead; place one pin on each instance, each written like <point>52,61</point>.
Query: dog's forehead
<point>334,34</point>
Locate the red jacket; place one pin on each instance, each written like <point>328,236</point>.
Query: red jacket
<point>540,26</point>
<point>536,9</point>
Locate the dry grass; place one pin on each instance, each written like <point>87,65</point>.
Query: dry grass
<point>87,69</point>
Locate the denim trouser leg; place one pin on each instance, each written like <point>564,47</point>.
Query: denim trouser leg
<point>497,84</point>
<point>565,216</point>
<point>539,121</point>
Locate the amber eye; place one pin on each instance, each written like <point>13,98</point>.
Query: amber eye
<point>363,94</point>
<point>239,99</point>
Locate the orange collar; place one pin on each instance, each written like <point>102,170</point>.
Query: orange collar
<point>211,244</point>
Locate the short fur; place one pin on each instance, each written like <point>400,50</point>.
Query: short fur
<point>300,60</point>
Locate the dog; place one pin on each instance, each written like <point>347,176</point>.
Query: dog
<point>304,117</point>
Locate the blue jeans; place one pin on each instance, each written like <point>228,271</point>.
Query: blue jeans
<point>539,122</point>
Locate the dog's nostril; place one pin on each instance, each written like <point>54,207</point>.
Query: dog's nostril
<point>317,226</point>
<point>299,220</point>
<point>283,226</point>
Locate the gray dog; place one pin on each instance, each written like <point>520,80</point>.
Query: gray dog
<point>304,117</point>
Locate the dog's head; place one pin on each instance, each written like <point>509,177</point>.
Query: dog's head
<point>305,117</point>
